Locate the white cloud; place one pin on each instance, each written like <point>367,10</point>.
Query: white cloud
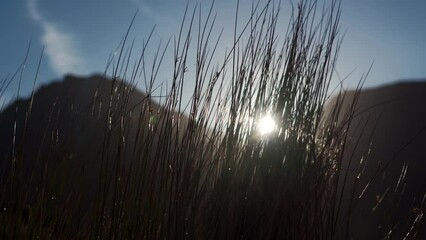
<point>59,47</point>
<point>34,14</point>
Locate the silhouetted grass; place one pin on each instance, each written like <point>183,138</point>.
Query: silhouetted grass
<point>208,173</point>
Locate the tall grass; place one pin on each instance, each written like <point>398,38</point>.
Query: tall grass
<point>208,173</point>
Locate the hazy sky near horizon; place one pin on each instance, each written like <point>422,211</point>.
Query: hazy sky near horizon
<point>79,35</point>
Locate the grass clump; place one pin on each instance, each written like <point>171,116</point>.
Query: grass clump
<point>157,173</point>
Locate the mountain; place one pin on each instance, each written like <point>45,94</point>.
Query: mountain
<point>74,128</point>
<point>387,145</point>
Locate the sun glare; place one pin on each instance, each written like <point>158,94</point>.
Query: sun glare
<point>266,125</point>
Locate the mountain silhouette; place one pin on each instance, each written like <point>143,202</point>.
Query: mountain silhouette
<point>387,145</point>
<point>70,127</point>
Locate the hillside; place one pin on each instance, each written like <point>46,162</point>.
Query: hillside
<point>70,134</point>
<point>388,133</point>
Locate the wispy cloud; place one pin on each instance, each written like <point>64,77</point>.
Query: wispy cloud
<point>147,10</point>
<point>61,53</point>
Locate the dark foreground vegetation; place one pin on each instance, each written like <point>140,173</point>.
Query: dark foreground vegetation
<point>94,158</point>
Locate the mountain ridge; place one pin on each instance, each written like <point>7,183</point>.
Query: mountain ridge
<point>388,131</point>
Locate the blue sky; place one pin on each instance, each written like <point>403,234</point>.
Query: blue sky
<point>79,35</point>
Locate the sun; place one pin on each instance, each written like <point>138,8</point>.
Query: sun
<point>266,125</point>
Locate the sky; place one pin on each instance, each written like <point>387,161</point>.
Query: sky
<point>78,36</point>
